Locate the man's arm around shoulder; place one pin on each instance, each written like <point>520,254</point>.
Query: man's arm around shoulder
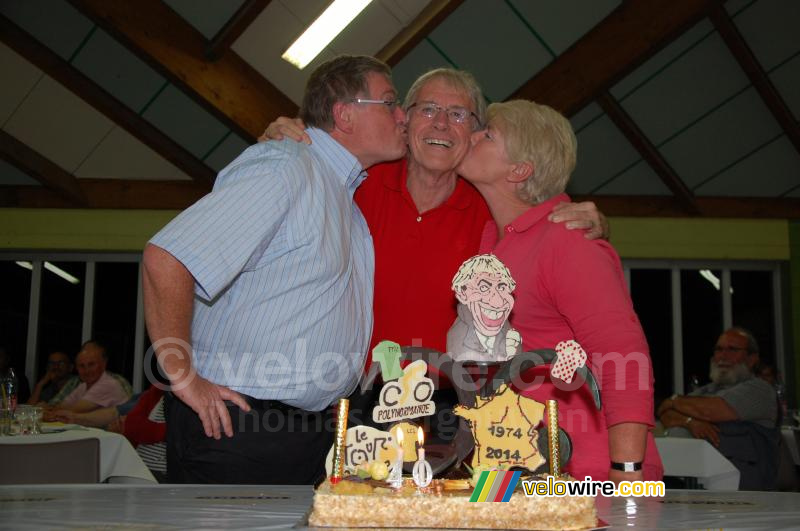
<point>168,290</point>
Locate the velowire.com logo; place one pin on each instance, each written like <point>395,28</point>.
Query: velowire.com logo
<point>495,486</point>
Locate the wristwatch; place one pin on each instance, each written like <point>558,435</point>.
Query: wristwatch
<point>627,466</point>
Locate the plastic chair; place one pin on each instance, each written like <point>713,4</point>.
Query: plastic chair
<point>56,462</point>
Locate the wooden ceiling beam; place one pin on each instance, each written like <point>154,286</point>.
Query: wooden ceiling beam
<point>712,207</point>
<point>755,72</point>
<point>86,89</point>
<point>625,39</point>
<point>648,151</point>
<point>232,29</point>
<point>109,193</point>
<point>42,169</point>
<point>229,88</point>
<point>423,24</point>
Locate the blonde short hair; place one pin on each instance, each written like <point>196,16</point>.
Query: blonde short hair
<point>542,136</point>
<point>457,79</point>
<point>482,263</point>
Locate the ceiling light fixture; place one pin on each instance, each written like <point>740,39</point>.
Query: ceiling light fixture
<point>53,269</point>
<point>319,34</point>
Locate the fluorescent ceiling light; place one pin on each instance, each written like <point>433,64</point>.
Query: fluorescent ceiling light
<point>319,34</point>
<point>53,269</point>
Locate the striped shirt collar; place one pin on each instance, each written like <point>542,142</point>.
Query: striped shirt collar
<point>344,162</point>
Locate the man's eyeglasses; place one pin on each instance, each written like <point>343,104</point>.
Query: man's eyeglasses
<point>58,363</point>
<point>455,115</point>
<point>391,104</point>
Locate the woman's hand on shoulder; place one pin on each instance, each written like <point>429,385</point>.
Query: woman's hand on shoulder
<point>584,215</point>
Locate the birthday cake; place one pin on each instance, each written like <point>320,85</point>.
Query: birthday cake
<point>444,504</point>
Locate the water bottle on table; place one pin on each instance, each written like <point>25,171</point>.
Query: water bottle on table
<point>8,401</point>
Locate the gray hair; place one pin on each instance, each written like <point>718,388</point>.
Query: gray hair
<point>340,79</point>
<point>457,79</point>
<point>752,344</point>
<point>542,136</point>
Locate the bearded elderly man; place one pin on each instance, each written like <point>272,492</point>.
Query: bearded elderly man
<point>736,412</point>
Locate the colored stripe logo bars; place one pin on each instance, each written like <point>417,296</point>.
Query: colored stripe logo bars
<point>495,486</point>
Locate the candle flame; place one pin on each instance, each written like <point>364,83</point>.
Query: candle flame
<point>399,436</point>
<point>420,436</point>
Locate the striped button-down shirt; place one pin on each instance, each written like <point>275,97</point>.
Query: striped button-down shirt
<point>283,264</point>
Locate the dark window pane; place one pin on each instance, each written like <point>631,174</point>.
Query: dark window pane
<point>14,305</point>
<point>61,310</point>
<point>752,308</point>
<point>114,320</point>
<point>651,292</point>
<point>701,309</point>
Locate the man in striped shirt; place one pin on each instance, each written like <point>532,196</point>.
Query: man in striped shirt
<point>258,298</point>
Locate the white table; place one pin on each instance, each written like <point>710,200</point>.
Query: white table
<point>119,462</point>
<point>283,507</point>
<point>697,458</point>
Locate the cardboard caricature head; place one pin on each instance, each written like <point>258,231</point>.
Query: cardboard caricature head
<point>484,285</point>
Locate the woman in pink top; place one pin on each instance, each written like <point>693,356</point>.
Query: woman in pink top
<point>568,287</point>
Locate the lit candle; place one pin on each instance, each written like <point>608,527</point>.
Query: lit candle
<point>420,442</point>
<point>422,472</point>
<point>399,444</point>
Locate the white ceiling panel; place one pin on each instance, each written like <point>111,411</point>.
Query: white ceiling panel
<point>562,23</point>
<point>639,179</point>
<point>305,11</point>
<point>141,162</point>
<point>514,56</point>
<point>281,27</point>
<point>369,32</point>
<point>685,90</point>
<point>602,153</point>
<point>55,23</point>
<point>58,124</point>
<point>404,10</point>
<point>663,59</point>
<point>786,79</point>
<point>19,77</point>
<point>117,70</point>
<point>770,29</point>
<point>207,16</point>
<point>11,176</point>
<point>185,121</point>
<point>422,58</point>
<point>768,172</point>
<point>229,149</point>
<point>721,138</point>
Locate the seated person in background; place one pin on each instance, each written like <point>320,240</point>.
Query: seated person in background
<point>59,372</point>
<point>736,412</point>
<point>98,388</point>
<point>767,372</point>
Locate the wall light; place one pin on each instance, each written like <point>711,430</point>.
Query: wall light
<point>322,31</point>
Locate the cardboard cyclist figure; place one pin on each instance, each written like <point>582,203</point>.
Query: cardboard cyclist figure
<point>481,332</point>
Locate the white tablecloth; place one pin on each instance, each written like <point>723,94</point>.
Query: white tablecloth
<point>697,458</point>
<point>119,462</point>
<point>283,507</point>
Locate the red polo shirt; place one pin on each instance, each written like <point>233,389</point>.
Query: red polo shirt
<point>569,287</point>
<point>417,255</point>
